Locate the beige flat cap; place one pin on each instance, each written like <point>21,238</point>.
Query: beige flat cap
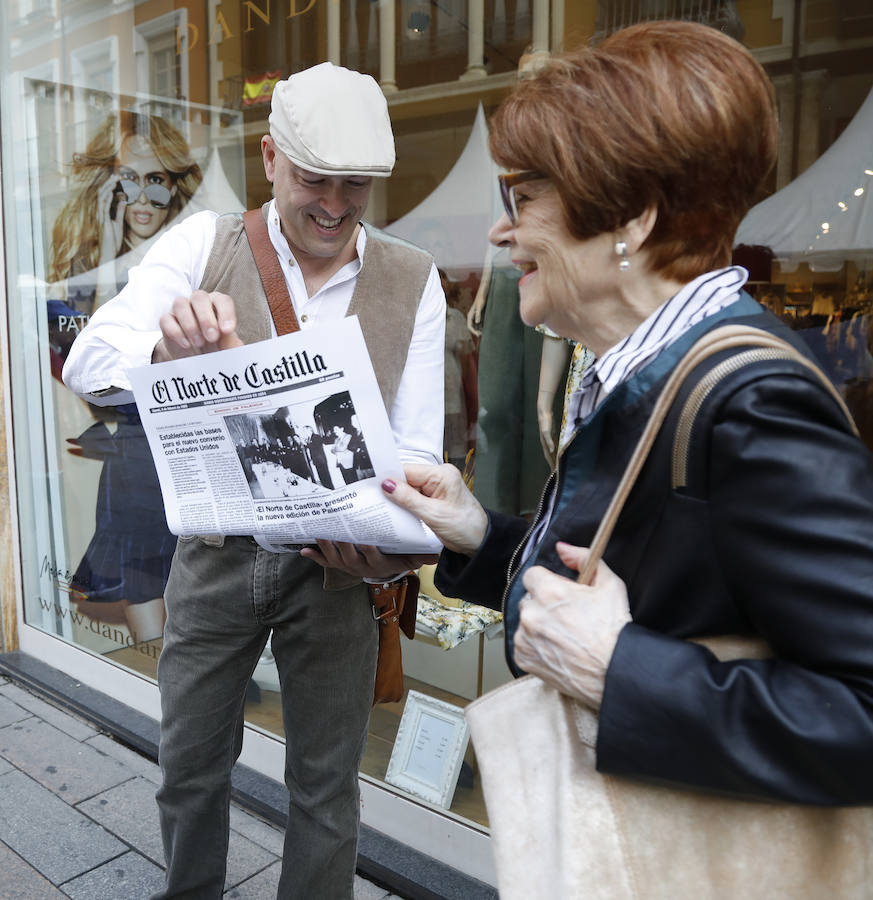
<point>333,121</point>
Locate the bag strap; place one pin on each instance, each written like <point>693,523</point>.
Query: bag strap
<point>281,307</point>
<point>726,337</point>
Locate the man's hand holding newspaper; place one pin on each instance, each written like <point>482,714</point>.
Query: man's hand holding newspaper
<point>287,440</point>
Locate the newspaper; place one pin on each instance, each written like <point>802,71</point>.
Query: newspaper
<point>287,440</point>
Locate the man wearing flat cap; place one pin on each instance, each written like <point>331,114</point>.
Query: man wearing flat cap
<point>198,290</point>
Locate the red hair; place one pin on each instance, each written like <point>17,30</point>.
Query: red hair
<point>673,115</point>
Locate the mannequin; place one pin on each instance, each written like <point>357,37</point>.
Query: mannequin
<point>555,369</point>
<point>509,464</point>
<point>459,345</point>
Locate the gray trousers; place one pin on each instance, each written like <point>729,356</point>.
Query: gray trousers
<point>222,603</point>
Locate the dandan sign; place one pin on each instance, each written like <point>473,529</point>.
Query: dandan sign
<point>258,14</point>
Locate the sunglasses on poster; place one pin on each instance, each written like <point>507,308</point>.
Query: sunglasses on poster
<point>158,195</point>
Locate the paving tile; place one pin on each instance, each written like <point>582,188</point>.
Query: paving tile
<point>129,877</point>
<point>262,886</point>
<point>11,711</point>
<point>134,761</point>
<point>63,721</point>
<point>366,890</point>
<point>262,833</point>
<point>57,840</point>
<point>244,859</point>
<point>71,769</point>
<point>129,811</point>
<point>20,881</point>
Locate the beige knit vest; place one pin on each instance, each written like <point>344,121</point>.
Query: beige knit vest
<point>385,299</point>
<point>387,292</point>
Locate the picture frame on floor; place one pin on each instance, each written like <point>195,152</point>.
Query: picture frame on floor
<point>429,749</point>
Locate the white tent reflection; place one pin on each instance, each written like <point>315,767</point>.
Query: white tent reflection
<point>825,216</point>
<point>452,222</point>
<point>214,193</point>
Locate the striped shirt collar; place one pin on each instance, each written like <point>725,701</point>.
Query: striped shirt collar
<point>705,296</point>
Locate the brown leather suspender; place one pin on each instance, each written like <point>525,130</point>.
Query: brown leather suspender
<point>281,307</point>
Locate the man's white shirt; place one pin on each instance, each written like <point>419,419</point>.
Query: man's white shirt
<point>122,334</point>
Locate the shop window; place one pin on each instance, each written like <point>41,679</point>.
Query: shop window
<point>95,81</point>
<point>208,69</point>
<point>164,68</point>
<point>508,21</point>
<point>161,69</point>
<point>432,29</point>
<point>34,10</point>
<point>721,14</point>
<point>854,19</point>
<point>360,36</point>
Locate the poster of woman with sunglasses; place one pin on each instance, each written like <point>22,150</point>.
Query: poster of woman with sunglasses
<point>134,176</point>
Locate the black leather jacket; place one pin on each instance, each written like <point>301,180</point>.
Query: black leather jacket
<point>773,536</point>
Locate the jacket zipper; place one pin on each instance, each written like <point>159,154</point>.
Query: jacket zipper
<point>697,397</point>
<point>534,522</point>
<point>553,476</point>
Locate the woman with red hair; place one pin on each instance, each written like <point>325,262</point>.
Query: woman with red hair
<point>630,166</point>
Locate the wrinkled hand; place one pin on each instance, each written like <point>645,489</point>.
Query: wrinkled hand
<point>197,324</point>
<point>568,631</point>
<point>438,496</point>
<point>365,561</point>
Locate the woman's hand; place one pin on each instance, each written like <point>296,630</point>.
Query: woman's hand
<point>568,631</point>
<point>438,496</point>
<point>111,226</point>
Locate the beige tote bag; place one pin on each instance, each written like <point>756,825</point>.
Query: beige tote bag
<point>560,830</point>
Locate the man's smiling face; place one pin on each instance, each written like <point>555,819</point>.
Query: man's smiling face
<point>319,213</point>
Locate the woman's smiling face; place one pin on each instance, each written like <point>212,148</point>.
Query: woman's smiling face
<point>138,163</point>
<point>566,282</point>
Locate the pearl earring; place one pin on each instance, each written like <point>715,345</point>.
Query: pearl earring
<point>621,250</point>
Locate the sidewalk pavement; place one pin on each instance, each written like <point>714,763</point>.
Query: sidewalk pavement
<point>78,816</point>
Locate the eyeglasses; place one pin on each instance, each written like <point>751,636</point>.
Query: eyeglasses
<point>508,182</point>
<point>157,194</point>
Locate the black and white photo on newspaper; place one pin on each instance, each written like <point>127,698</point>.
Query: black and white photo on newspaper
<point>286,439</point>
